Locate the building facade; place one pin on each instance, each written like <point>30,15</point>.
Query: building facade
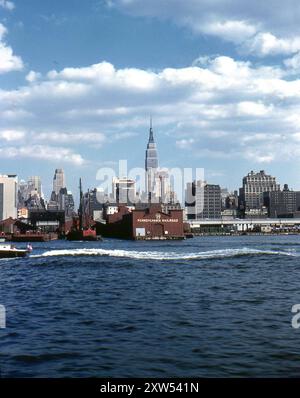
<point>61,199</point>
<point>58,181</point>
<point>144,224</point>
<point>254,185</point>
<point>151,164</point>
<point>35,185</point>
<point>123,190</point>
<point>203,201</point>
<point>8,196</point>
<point>281,203</point>
<point>66,202</point>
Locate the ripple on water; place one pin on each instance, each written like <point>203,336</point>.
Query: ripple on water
<point>209,306</point>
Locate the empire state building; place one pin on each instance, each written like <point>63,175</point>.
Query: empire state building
<point>151,163</point>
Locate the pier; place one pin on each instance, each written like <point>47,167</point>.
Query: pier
<point>264,225</point>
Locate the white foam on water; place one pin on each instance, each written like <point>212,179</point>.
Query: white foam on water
<point>156,255</point>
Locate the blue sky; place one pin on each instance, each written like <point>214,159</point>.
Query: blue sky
<point>79,80</point>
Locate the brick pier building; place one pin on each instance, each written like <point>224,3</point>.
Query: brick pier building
<point>143,224</point>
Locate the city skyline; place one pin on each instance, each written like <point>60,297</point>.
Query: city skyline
<point>221,84</point>
<point>149,174</point>
<point>160,187</point>
<point>153,175</point>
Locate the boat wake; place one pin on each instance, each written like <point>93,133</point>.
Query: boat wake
<point>156,255</point>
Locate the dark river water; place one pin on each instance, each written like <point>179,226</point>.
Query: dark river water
<point>208,306</point>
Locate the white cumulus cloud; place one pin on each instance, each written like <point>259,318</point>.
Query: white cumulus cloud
<point>8,61</point>
<point>220,108</point>
<point>12,135</point>
<point>259,27</point>
<point>268,44</point>
<point>234,31</point>
<point>32,76</point>
<point>54,154</point>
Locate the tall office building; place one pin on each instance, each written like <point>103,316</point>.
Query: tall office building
<point>162,186</point>
<point>23,194</point>
<point>35,185</point>
<point>212,202</point>
<point>59,192</point>
<point>123,190</point>
<point>190,200</point>
<point>203,201</point>
<point>151,164</point>
<point>8,196</point>
<point>254,185</point>
<point>30,193</point>
<point>66,202</point>
<point>281,203</point>
<point>59,181</point>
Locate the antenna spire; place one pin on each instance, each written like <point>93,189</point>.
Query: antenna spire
<point>151,138</point>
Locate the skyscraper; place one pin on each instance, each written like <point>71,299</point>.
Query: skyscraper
<point>203,201</point>
<point>162,188</point>
<point>151,163</point>
<point>8,196</point>
<point>35,184</point>
<point>58,181</point>
<point>254,185</point>
<point>124,190</point>
<point>66,202</point>
<point>281,203</point>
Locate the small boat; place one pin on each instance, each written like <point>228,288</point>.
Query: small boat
<point>10,251</point>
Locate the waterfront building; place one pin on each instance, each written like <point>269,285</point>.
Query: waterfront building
<point>281,203</point>
<point>7,226</point>
<point>8,196</point>
<point>259,213</point>
<point>212,202</point>
<point>203,201</point>
<point>47,221</point>
<point>251,192</point>
<point>166,207</point>
<point>238,225</point>
<point>147,224</point>
<point>229,214</point>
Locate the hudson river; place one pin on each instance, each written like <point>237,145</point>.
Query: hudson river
<point>208,306</point>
